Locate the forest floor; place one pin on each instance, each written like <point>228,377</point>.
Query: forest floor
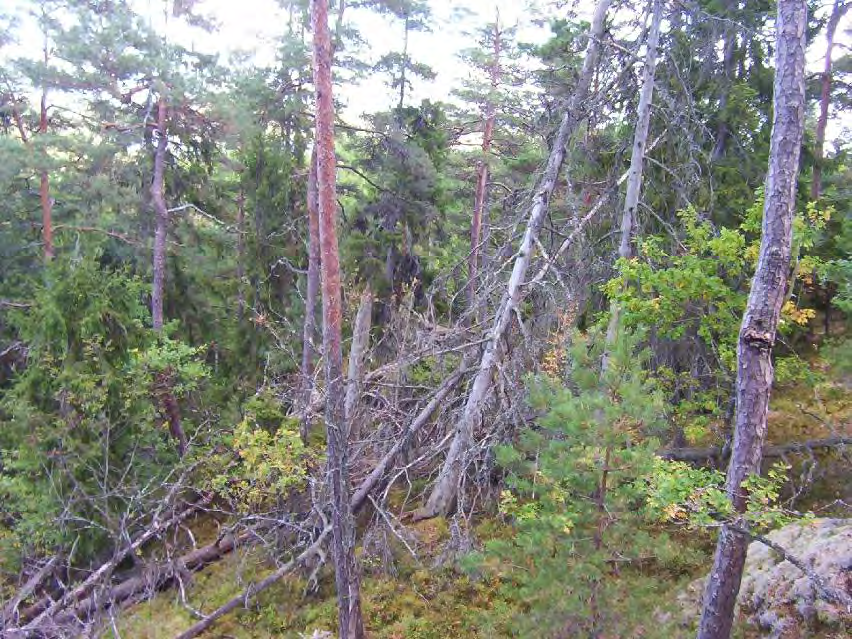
<point>411,598</point>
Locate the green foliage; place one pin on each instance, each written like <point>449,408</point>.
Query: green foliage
<point>574,492</point>
<point>694,295</point>
<point>265,457</point>
<point>80,436</point>
<point>696,497</point>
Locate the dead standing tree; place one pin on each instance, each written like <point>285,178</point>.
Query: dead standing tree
<point>757,334</point>
<point>444,493</point>
<point>637,158</point>
<point>343,525</point>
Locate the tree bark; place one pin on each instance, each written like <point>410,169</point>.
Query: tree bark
<point>357,354</point>
<point>343,525</point>
<point>637,159</point>
<point>760,321</point>
<point>309,345</point>
<point>482,174</point>
<point>241,253</point>
<point>443,496</point>
<point>723,131</point>
<point>158,199</point>
<point>837,12</point>
<point>44,190</point>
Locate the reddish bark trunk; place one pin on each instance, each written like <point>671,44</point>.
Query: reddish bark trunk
<point>482,172</point>
<point>343,525</point>
<point>760,322</point>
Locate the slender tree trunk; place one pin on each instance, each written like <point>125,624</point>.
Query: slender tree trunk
<point>357,355</point>
<point>164,382</point>
<point>44,178</point>
<point>837,12</point>
<point>723,131</point>
<point>443,496</point>
<point>402,72</point>
<point>343,525</point>
<point>760,321</point>
<point>44,189</point>
<point>637,159</point>
<point>482,174</point>
<point>158,198</point>
<point>241,253</point>
<point>309,346</point>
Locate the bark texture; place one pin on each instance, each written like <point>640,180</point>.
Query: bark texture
<point>357,356</point>
<point>443,496</point>
<point>837,11</point>
<point>161,213</point>
<point>343,526</point>
<point>757,334</point>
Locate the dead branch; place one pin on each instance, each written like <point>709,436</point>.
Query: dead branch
<point>46,608</point>
<point>706,454</point>
<point>255,589</point>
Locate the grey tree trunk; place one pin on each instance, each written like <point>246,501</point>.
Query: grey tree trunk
<point>760,321</point>
<point>309,333</point>
<point>444,493</point>
<point>351,623</point>
<point>637,158</point>
<point>837,12</point>
<point>723,130</point>
<point>161,216</point>
<point>357,355</point>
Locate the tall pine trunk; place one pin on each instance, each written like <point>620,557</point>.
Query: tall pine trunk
<point>343,526</point>
<point>482,175</point>
<point>161,217</point>
<point>760,321</point>
<point>44,186</point>
<point>164,382</point>
<point>837,12</point>
<point>723,130</point>
<point>443,496</point>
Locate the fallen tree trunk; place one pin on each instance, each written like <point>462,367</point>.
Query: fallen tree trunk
<point>707,454</point>
<point>10,610</point>
<point>159,576</point>
<point>443,496</point>
<point>46,607</point>
<point>152,579</point>
<point>255,589</point>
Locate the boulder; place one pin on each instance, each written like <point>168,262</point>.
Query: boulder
<point>779,598</point>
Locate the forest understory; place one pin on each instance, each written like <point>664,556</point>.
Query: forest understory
<point>561,350</point>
